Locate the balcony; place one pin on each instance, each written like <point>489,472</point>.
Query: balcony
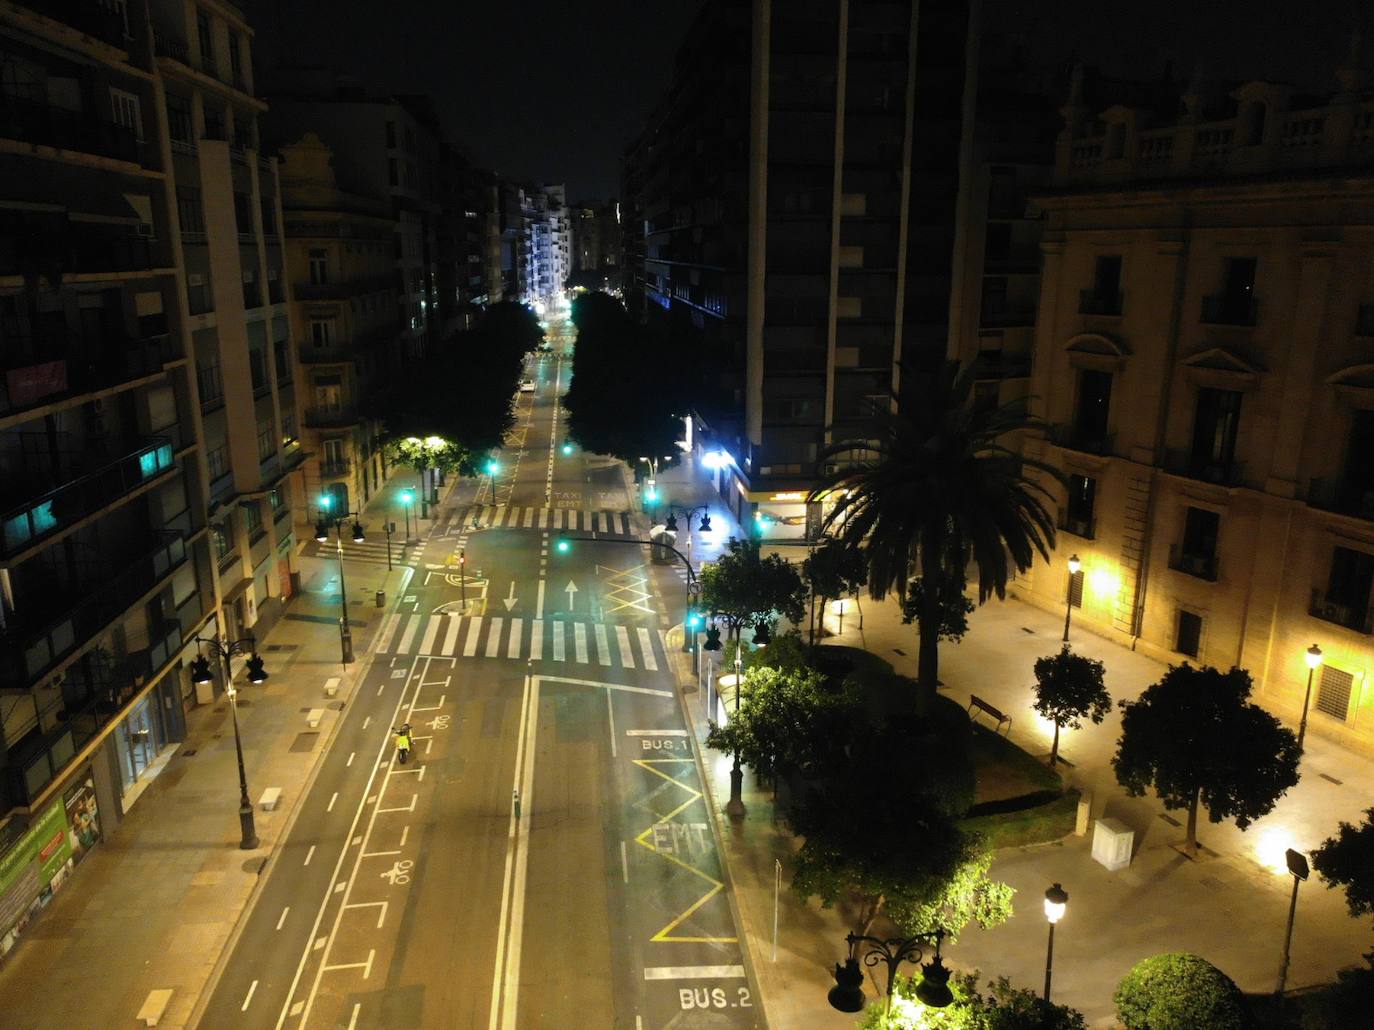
<point>1200,566</point>
<point>80,131</point>
<point>1343,496</point>
<point>1229,309</point>
<point>998,365</point>
<point>1357,617</point>
<point>1090,302</point>
<point>1079,527</point>
<point>331,417</point>
<point>51,512</point>
<point>88,17</point>
<point>1204,467</point>
<point>344,290</point>
<point>52,245</point>
<point>167,43</point>
<point>48,369</point>
<point>87,609</point>
<point>339,469</point>
<point>1004,316</point>
<point>1082,438</point>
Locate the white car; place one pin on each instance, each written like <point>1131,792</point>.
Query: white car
<point>527,386</point>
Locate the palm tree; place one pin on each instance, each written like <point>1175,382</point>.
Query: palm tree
<point>934,486</point>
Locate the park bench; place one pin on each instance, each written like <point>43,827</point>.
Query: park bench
<point>313,717</point>
<point>154,1006</point>
<point>269,798</point>
<point>331,686</point>
<point>1002,718</point>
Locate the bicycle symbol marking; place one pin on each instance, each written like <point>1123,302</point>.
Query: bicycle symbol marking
<point>399,872</point>
<point>439,722</point>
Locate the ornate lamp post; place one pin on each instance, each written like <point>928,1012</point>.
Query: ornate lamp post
<point>1074,566</point>
<point>1314,659</point>
<point>201,675</point>
<point>322,524</point>
<point>734,808</point>
<point>1056,901</point>
<point>848,995</point>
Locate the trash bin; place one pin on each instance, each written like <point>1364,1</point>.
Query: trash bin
<point>381,598</point>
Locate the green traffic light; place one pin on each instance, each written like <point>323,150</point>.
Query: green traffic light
<point>326,501</point>
<point>493,467</point>
<point>567,448</point>
<point>563,546</point>
<point>651,494</point>
<point>407,497</point>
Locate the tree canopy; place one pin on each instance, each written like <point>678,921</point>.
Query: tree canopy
<point>746,587</point>
<point>935,486</point>
<point>832,570</point>
<point>1068,689</point>
<point>1179,991</point>
<point>1347,860</point>
<point>1003,1007</point>
<point>1194,737</point>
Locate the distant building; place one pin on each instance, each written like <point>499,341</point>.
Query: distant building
<point>596,244</point>
<point>546,245</point>
<point>1204,356</point>
<point>794,198</point>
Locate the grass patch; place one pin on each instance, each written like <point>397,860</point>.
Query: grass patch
<point>1038,824</point>
<point>1005,770</point>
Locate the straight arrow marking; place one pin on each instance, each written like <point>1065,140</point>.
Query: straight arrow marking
<point>571,589</point>
<point>509,600</point>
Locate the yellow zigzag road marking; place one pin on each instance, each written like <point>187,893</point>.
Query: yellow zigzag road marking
<point>666,934</point>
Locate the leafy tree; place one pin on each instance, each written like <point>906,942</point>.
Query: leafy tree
<point>1347,860</point>
<point>1003,1007</point>
<point>745,587</point>
<point>968,897</point>
<point>953,607</point>
<point>448,457</point>
<point>832,570</point>
<point>1179,991</point>
<point>1068,689</point>
<point>934,486</point>
<point>1194,737</point>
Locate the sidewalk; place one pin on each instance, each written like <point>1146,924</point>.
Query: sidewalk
<point>1230,907</point>
<point>155,904</point>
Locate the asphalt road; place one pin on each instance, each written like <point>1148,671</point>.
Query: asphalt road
<point>424,895</point>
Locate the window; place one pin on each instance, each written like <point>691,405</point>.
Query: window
<point>1116,141</point>
<point>1094,402</point>
<point>391,135</point>
<point>269,217</point>
<point>126,111</point>
<point>208,382</point>
<point>321,333</point>
<point>1253,119</point>
<point>206,44</point>
<point>217,462</point>
<point>319,267</point>
<point>1107,275</point>
<point>333,454</point>
<point>1200,528</point>
<point>1078,513</point>
<point>267,439</point>
<point>288,428</point>
<point>1358,479</point>
<point>391,176</point>
<point>243,214</point>
<point>1333,695</point>
<point>328,392</point>
<point>1240,278</point>
<point>1214,430</point>
<point>190,209</point>
<point>1189,633</point>
<point>252,520</point>
<point>257,366</point>
<point>179,125</point>
<point>222,533</point>
<point>235,58</point>
<point>1075,597</point>
<point>214,122</point>
<point>1348,587</point>
<point>274,500</point>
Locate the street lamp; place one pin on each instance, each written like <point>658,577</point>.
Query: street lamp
<point>1074,566</point>
<point>322,525</point>
<point>1297,865</point>
<point>848,995</point>
<point>1314,658</point>
<point>734,808</point>
<point>200,676</point>
<point>408,502</point>
<point>1056,901</point>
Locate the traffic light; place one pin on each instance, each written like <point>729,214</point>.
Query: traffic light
<point>256,672</point>
<point>407,497</point>
<point>693,619</point>
<point>326,502</point>
<point>200,671</point>
<point>493,467</point>
<point>462,557</point>
<point>567,449</point>
<point>650,495</point>
<point>562,546</point>
<point>712,640</point>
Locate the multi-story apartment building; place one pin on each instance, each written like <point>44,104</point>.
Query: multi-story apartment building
<point>1204,353</point>
<point>596,246</point>
<point>146,411</point>
<point>546,252</point>
<point>793,197</point>
<point>341,267</point>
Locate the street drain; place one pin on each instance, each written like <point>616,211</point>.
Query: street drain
<point>898,650</point>
<point>1332,779</point>
<point>188,752</point>
<point>1169,819</point>
<point>1025,629</point>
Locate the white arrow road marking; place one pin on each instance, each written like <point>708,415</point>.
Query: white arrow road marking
<point>570,589</point>
<point>510,600</point>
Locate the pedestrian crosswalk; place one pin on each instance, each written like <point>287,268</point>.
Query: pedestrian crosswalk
<point>371,551</point>
<point>498,636</point>
<point>506,516</point>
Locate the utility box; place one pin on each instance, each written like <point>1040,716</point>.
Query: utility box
<point>1113,841</point>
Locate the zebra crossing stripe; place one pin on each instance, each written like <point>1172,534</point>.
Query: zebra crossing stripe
<point>580,641</point>
<point>513,651</point>
<point>494,638</point>
<point>388,631</point>
<point>500,517</point>
<point>451,637</point>
<point>596,522</point>
<point>543,518</point>
<point>647,647</point>
<point>627,657</point>
<point>474,631</point>
<point>431,631</point>
<point>558,655</point>
<point>408,635</point>
<point>603,649</point>
<point>536,640</point>
<point>528,522</point>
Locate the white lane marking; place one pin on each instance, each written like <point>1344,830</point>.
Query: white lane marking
<point>557,641</point>
<point>353,1019</point>
<point>451,637</point>
<point>646,645</point>
<point>282,919</point>
<point>513,651</point>
<point>494,638</point>
<point>624,861</point>
<point>609,686</point>
<point>512,842</point>
<point>388,631</point>
<point>351,755</point>
<point>309,855</point>
<point>517,915</point>
<point>580,641</point>
<point>405,832</point>
<point>366,721</point>
<point>539,600</point>
<point>335,798</point>
<point>474,631</point>
<point>610,717</point>
<point>627,657</point>
<point>381,907</point>
<point>655,733</point>
<point>603,647</point>
<point>691,972</point>
<point>366,967</point>
<point>431,631</point>
<point>536,640</point>
<point>252,988</point>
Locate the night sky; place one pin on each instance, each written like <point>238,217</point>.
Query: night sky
<point>553,91</point>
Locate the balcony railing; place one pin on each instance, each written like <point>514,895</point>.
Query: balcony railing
<point>48,513</point>
<point>1082,438</point>
<point>343,290</point>
<point>49,246</point>
<point>1080,527</point>
<point>1341,496</point>
<point>1229,309</point>
<point>1357,617</point>
<point>1204,467</point>
<point>336,469</point>
<point>167,43</point>
<point>44,125</point>
<point>331,417</point>
<point>28,652</point>
<point>1090,302</point>
<point>1202,566</point>
<point>86,16</point>
<point>69,369</point>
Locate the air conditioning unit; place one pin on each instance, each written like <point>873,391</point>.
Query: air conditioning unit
<point>195,279</point>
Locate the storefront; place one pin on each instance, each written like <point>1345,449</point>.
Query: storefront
<point>146,737</point>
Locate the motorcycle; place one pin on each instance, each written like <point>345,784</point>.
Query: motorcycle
<point>403,743</point>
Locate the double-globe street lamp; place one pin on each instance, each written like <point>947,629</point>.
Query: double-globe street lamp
<point>200,676</point>
<point>322,524</point>
<point>848,993</point>
<point>1314,659</point>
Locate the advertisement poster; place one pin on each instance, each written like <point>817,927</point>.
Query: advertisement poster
<point>83,818</point>
<point>29,867</point>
